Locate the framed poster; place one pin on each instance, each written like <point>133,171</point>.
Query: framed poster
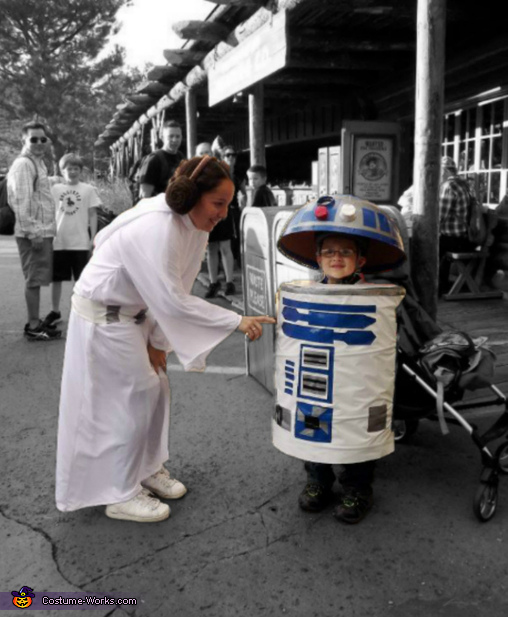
<point>373,167</point>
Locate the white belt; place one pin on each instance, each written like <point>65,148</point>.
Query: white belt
<point>105,314</point>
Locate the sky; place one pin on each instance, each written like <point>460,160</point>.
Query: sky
<point>146,27</point>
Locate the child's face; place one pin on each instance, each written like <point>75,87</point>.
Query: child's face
<point>255,179</point>
<point>339,258</point>
<point>72,173</point>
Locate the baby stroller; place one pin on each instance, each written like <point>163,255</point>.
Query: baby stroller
<point>442,367</point>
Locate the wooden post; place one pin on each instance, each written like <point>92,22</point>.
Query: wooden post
<point>430,60</point>
<point>191,118</point>
<point>257,126</point>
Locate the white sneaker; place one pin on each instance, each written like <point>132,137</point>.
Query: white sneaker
<point>163,485</point>
<point>143,509</point>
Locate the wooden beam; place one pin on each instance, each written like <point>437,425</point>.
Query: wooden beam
<point>205,31</point>
<point>308,79</point>
<point>165,74</point>
<point>326,40</point>
<point>152,88</point>
<point>183,57</point>
<point>191,122</point>
<point>430,29</point>
<point>257,126</point>
<point>141,99</point>
<point>237,2</point>
<point>340,61</point>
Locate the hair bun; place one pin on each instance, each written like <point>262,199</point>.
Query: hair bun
<point>182,194</point>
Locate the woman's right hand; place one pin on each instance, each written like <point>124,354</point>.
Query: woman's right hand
<point>252,326</point>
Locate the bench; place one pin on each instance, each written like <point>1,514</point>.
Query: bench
<point>470,268</point>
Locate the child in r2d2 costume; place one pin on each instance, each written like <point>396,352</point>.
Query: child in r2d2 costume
<point>335,357</point>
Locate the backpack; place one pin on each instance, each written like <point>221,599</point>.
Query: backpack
<point>444,358</point>
<point>7,216</point>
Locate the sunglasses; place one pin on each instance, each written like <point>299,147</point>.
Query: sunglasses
<point>35,140</point>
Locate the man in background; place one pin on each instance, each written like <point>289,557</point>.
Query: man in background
<point>158,168</point>
<point>29,195</point>
<point>454,198</point>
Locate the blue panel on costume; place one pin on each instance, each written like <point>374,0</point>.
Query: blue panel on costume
<point>369,218</point>
<point>290,376</point>
<point>328,336</point>
<point>331,308</point>
<point>384,223</point>
<point>316,318</point>
<point>313,423</point>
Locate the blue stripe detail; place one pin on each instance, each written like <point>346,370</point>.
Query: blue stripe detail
<point>290,376</point>
<point>290,363</point>
<point>331,308</point>
<point>369,218</point>
<point>288,391</point>
<point>328,320</point>
<point>288,384</point>
<point>384,224</point>
<point>327,336</point>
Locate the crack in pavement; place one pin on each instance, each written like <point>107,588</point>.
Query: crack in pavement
<point>47,537</point>
<point>193,535</point>
<point>250,551</point>
<point>163,548</point>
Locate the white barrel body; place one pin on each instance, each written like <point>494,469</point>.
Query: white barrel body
<point>335,371</point>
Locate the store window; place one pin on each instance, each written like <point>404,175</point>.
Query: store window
<point>474,138</point>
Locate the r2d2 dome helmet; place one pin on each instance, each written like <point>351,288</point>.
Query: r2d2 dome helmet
<point>348,215</point>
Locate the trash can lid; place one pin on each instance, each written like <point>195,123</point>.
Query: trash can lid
<point>348,215</point>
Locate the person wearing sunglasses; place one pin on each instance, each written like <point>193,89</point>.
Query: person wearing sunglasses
<point>29,195</point>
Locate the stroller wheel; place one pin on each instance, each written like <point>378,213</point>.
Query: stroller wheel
<point>403,429</point>
<point>502,458</point>
<point>485,502</point>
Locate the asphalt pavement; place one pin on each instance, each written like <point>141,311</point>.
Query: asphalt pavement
<point>237,543</point>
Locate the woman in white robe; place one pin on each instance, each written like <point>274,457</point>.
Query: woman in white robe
<point>114,406</point>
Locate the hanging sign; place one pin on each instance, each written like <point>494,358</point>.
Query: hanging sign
<point>261,54</point>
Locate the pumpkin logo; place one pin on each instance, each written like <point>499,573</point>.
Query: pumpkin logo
<point>23,597</point>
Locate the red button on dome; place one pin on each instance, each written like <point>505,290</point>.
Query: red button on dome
<point>321,212</point>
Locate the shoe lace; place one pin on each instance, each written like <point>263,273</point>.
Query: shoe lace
<point>314,490</point>
<point>147,499</point>
<point>164,473</point>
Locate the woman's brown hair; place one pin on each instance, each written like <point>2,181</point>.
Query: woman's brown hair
<point>191,179</point>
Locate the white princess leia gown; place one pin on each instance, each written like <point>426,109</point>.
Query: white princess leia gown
<point>114,408</point>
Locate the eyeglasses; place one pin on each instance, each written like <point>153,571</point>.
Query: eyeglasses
<point>329,253</point>
<point>35,140</point>
<point>229,154</point>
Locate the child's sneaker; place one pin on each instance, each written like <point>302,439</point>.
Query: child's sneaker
<point>40,333</point>
<point>314,498</point>
<point>52,319</point>
<point>353,506</point>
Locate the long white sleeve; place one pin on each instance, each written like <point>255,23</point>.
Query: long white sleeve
<point>158,252</point>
